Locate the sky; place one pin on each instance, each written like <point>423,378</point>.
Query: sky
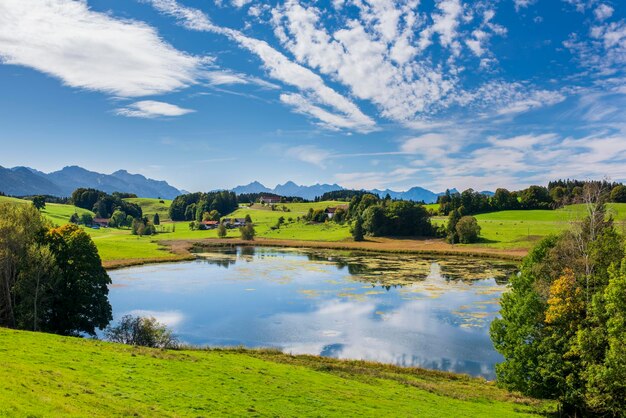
<point>209,94</point>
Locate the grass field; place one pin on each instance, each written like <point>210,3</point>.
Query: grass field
<point>523,228</point>
<point>48,375</point>
<point>152,206</point>
<point>506,230</point>
<point>264,219</point>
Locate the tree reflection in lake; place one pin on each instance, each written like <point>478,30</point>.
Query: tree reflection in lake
<point>401,309</point>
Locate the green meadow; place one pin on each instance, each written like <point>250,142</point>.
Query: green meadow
<point>49,375</point>
<point>521,229</point>
<point>152,206</point>
<point>516,229</point>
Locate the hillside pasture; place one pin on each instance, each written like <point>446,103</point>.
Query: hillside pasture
<point>512,229</point>
<point>151,206</point>
<point>49,375</point>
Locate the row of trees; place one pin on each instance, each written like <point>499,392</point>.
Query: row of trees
<point>558,193</point>
<point>386,217</point>
<point>202,206</point>
<point>255,198</point>
<point>562,329</point>
<point>51,278</point>
<point>105,205</point>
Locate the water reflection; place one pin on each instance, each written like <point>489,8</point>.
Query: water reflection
<point>404,310</point>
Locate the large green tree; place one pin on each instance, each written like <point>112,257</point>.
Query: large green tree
<point>563,324</point>
<point>80,301</point>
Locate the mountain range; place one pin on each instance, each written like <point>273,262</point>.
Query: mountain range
<point>417,194</point>
<point>25,181</point>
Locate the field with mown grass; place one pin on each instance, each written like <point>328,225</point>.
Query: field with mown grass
<point>152,206</point>
<point>523,228</point>
<point>506,230</point>
<point>48,375</point>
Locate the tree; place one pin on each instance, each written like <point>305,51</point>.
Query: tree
<point>145,332</point>
<point>248,218</point>
<point>118,219</point>
<point>80,301</point>
<point>86,219</point>
<point>357,231</point>
<point>74,219</point>
<point>156,220</point>
<point>606,391</point>
<point>562,327</point>
<point>374,221</point>
<point>86,198</point>
<point>21,227</point>
<point>467,230</point>
<point>39,202</point>
<point>452,234</point>
<point>221,230</point>
<point>247,232</point>
<point>618,194</point>
<point>535,197</point>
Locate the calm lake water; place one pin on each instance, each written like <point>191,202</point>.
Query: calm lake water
<point>400,309</point>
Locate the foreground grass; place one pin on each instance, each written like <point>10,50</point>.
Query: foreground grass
<point>47,375</point>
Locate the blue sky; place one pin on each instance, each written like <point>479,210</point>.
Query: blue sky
<point>381,93</point>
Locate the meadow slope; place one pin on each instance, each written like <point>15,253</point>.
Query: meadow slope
<point>507,233</point>
<point>48,375</point>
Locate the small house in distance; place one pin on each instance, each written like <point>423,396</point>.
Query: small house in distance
<point>330,212</point>
<point>269,200</point>
<point>234,222</point>
<point>100,222</point>
<point>209,224</point>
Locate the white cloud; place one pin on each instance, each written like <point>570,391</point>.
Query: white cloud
<point>280,68</point>
<point>91,50</point>
<point>522,4</point>
<point>309,154</point>
<point>152,109</point>
<point>226,77</point>
<point>375,179</point>
<point>445,24</point>
<point>603,12</point>
<point>604,50</point>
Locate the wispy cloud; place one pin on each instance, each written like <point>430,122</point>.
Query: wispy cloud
<point>152,109</point>
<point>280,68</point>
<point>91,50</point>
<point>310,154</point>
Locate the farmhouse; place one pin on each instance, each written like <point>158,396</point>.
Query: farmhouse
<point>330,212</point>
<point>101,222</point>
<point>209,224</point>
<point>270,200</point>
<point>234,222</point>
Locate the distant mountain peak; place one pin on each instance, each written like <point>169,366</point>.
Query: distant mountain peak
<point>290,188</point>
<point>24,181</point>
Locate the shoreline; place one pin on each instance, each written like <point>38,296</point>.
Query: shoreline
<point>183,250</point>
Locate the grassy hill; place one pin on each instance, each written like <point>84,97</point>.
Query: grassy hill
<point>506,230</point>
<point>152,206</point>
<point>523,228</point>
<point>57,213</point>
<point>48,375</point>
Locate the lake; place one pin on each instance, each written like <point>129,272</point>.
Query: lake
<point>395,308</point>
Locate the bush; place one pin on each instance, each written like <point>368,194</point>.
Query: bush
<point>247,232</point>
<point>221,230</point>
<point>145,332</point>
<point>86,219</point>
<point>467,230</point>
